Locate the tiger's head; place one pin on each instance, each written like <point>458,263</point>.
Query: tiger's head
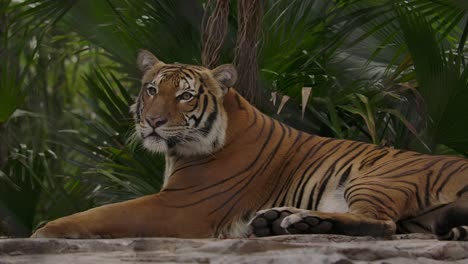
<point>180,107</point>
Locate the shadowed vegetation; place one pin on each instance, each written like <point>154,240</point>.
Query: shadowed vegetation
<point>389,72</point>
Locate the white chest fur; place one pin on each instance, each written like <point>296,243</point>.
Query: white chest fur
<point>334,202</point>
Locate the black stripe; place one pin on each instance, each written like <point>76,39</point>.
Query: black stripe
<point>285,165</point>
<point>447,178</point>
<point>189,74</point>
<point>211,117</point>
<point>263,126</point>
<point>285,189</point>
<point>416,192</point>
<point>261,169</point>
<point>444,167</point>
<point>427,191</point>
<point>247,169</point>
<point>372,203</point>
<point>431,210</point>
<point>311,198</point>
<point>344,176</point>
<point>350,194</point>
<point>138,110</point>
<point>382,206</point>
<point>405,166</point>
<point>177,189</point>
<point>350,160</point>
<point>369,161</point>
<point>406,191</point>
<point>201,88</point>
<point>392,162</point>
<point>288,132</point>
<point>241,107</point>
<point>207,197</point>
<point>203,111</point>
<point>462,191</point>
<point>254,121</point>
<point>305,177</point>
<point>195,106</point>
<point>253,176</point>
<point>399,152</point>
<point>411,172</point>
<point>197,163</point>
<point>331,170</point>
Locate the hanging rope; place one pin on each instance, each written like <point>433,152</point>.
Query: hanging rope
<point>214,32</point>
<point>249,26</point>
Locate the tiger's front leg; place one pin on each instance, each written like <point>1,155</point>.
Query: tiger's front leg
<point>148,216</point>
<point>289,220</point>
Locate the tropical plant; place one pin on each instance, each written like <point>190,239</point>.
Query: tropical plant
<point>377,50</point>
<point>389,72</point>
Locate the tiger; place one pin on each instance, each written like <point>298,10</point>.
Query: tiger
<point>232,171</point>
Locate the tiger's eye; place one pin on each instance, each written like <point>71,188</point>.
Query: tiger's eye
<point>186,96</point>
<point>152,91</point>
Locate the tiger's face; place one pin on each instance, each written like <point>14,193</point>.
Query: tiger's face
<point>180,107</point>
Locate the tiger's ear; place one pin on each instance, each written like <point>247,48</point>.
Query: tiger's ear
<point>226,75</point>
<point>146,60</point>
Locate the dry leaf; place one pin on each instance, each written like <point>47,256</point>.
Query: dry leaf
<point>306,92</point>
<point>283,102</point>
<point>273,98</point>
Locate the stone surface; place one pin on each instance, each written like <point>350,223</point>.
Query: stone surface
<point>411,249</point>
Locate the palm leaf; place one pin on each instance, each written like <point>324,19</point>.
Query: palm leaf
<point>442,81</point>
<point>105,150</point>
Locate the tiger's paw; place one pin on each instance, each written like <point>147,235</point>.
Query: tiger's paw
<point>268,222</point>
<point>289,220</point>
<point>306,222</point>
<point>57,230</point>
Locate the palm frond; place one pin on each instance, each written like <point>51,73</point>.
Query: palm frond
<point>106,154</point>
<point>441,78</point>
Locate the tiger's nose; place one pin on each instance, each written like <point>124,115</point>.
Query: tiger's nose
<point>156,121</point>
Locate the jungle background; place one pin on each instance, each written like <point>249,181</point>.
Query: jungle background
<point>389,72</point>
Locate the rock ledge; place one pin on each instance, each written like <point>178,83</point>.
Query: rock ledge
<point>411,249</point>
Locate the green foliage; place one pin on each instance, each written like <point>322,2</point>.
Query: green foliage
<point>389,72</point>
<point>32,189</point>
<point>442,79</point>
<point>380,73</point>
<point>122,27</point>
<point>293,44</point>
<point>123,169</point>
